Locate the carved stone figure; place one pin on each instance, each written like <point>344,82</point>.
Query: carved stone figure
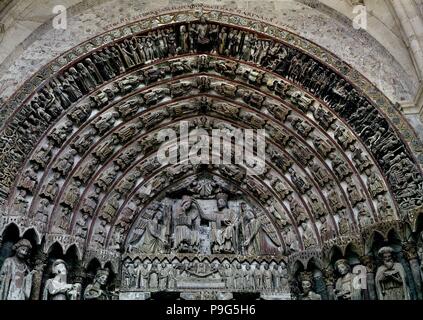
<point>20,203</point>
<point>324,118</point>
<point>72,194</point>
<point>327,230</point>
<point>15,276</point>
<point>320,174</point>
<point>309,239</point>
<point>375,185</point>
<point>344,137</point>
<point>364,217</point>
<point>307,288</point>
<point>42,156</point>
<point>84,141</point>
<point>278,111</point>
<point>224,226</point>
<point>323,147</point>
<point>106,178</point>
<point>340,166</point>
<point>81,227</point>
<point>384,208</point>
<point>144,275</point>
<point>300,100</point>
<point>42,213</point>
<point>301,153</point>
<point>362,161</point>
<point>163,276</point>
<point>334,199</point>
<point>150,236</point>
<point>354,193</point>
<point>65,163</point>
<point>282,189</point>
<point>111,207</point>
<point>317,206</point>
<point>89,203</point>
<point>58,287</point>
<point>302,127</point>
<point>64,218</point>
<point>267,277</point>
<point>61,133</point>
<point>105,122</point>
<point>344,223</point>
<point>50,190</point>
<point>390,278</point>
<point>86,170</point>
<point>253,232</point>
<point>96,291</point>
<point>100,233</point>
<point>297,210</point>
<point>346,287</point>
<point>186,223</point>
<point>300,182</point>
<point>29,179</point>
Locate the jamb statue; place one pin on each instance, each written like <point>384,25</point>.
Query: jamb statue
<point>15,277</point>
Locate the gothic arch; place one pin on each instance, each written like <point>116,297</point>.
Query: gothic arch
<point>342,163</point>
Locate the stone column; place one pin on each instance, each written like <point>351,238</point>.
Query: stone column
<point>410,254</point>
<point>40,264</point>
<point>368,262</point>
<point>330,282</point>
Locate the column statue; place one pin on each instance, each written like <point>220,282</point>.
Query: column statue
<point>58,287</point>
<point>15,276</point>
<point>390,278</point>
<point>95,291</point>
<point>345,288</point>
